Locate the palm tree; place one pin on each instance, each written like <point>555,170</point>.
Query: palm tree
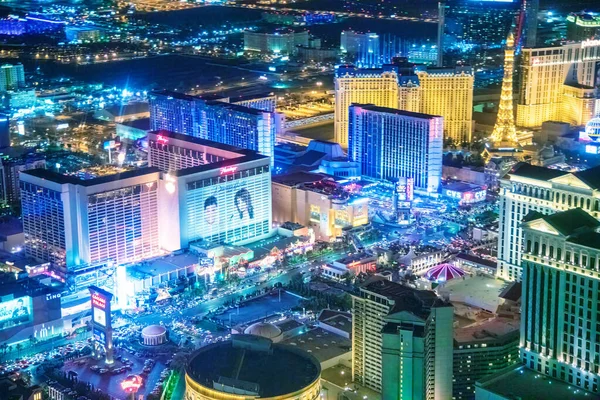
<point>19,348</point>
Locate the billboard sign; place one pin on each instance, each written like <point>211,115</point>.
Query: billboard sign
<point>234,206</point>
<point>15,312</point>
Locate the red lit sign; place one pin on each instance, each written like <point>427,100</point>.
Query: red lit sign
<point>228,170</point>
<point>161,139</point>
<point>98,301</point>
<point>132,384</point>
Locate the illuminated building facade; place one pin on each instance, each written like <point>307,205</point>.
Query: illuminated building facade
<point>578,104</point>
<point>583,26</point>
<point>555,80</point>
<point>12,162</point>
<point>70,221</point>
<point>402,342</point>
<point>391,144</point>
<point>252,367</point>
<point>561,281</point>
<point>530,188</point>
<point>319,204</point>
<point>239,126</point>
<point>12,77</point>
<point>175,112</point>
<point>480,350</point>
<point>217,120</point>
<point>211,191</point>
<point>448,92</point>
<point>281,41</point>
<point>363,86</point>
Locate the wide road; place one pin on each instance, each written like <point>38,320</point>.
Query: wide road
<point>204,307</point>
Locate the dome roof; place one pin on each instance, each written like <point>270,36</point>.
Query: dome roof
<point>154,330</point>
<point>263,329</point>
<point>444,272</point>
<point>592,128</point>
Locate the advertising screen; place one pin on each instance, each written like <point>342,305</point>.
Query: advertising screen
<point>99,316</point>
<point>15,312</point>
<point>232,207</point>
<point>597,75</point>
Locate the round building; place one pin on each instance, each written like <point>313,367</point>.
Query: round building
<point>252,367</point>
<point>154,335</point>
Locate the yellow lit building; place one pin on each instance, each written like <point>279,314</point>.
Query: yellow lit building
<point>364,86</point>
<point>448,92</point>
<point>316,203</point>
<point>578,104</point>
<point>250,367</point>
<point>555,82</point>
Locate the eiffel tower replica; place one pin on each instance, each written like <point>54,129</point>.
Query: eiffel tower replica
<point>503,141</point>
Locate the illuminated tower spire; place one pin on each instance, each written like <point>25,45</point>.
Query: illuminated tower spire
<point>505,132</point>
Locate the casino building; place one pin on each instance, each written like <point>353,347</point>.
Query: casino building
<point>558,84</point>
<point>252,367</point>
<point>193,190</point>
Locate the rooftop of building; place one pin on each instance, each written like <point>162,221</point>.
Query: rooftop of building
<point>297,178</point>
<point>476,259</point>
<point>479,291</point>
<point>16,154</point>
<point>128,109</point>
<point>25,287</point>
<point>235,107</point>
<point>512,292</point>
<point>202,142</point>
<point>163,265</point>
<point>271,369</point>
<point>59,178</point>
<point>387,110</point>
<point>173,94</point>
<point>567,223</point>
<point>354,257</point>
<point>418,302</point>
<point>520,383</point>
<point>462,186</point>
<point>141,123</point>
<point>493,330</point>
<point>337,319</point>
<point>278,30</point>
<point>322,344</point>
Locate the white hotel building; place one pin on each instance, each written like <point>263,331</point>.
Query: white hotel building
<point>531,188</point>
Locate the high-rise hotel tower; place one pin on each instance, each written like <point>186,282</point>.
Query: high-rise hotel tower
<point>560,322</point>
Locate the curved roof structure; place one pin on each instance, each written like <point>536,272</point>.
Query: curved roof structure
<point>249,366</point>
<point>154,330</point>
<point>444,272</point>
<point>263,329</point>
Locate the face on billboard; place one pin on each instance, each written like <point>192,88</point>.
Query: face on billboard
<point>15,312</point>
<point>230,209</point>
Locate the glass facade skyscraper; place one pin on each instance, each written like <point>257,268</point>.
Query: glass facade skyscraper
<point>218,121</point>
<point>43,223</point>
<point>175,112</point>
<point>390,144</point>
<point>71,222</point>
